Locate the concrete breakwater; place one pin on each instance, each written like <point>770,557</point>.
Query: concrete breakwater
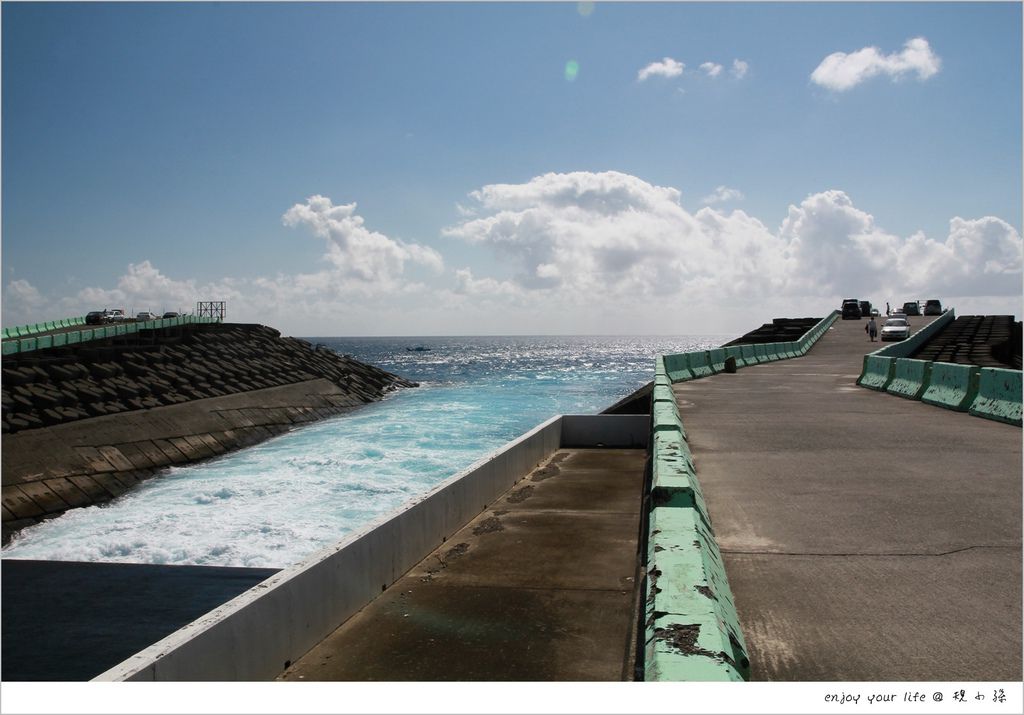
<point>83,424</point>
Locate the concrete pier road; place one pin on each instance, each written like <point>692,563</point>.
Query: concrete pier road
<point>542,586</point>
<point>865,536</point>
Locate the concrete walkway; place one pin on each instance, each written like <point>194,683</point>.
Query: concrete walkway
<point>865,536</point>
<point>541,586</point>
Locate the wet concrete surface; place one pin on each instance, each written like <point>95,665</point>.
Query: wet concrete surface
<point>865,536</point>
<point>71,621</point>
<point>541,586</point>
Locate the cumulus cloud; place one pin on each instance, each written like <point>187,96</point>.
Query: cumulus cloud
<point>739,69</point>
<point>21,296</point>
<point>614,237</point>
<point>841,71</point>
<point>668,67</point>
<point>722,194</point>
<point>712,69</point>
<point>356,252</point>
<point>584,251</point>
<point>607,233</point>
<point>145,287</point>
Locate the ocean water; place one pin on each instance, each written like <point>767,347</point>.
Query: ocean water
<point>274,504</point>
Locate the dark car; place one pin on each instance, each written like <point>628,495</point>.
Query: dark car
<point>170,314</point>
<point>95,317</point>
<point>851,309</point>
<point>933,307</point>
<point>911,308</point>
<point>865,307</point>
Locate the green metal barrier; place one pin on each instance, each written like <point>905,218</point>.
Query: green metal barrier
<point>952,386</point>
<point>999,396</point>
<point>910,378</point>
<point>749,357</point>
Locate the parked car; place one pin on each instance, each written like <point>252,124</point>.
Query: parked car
<point>896,329</point>
<point>851,309</point>
<point>145,315</point>
<point>875,313</point>
<point>911,308</point>
<point>865,308</point>
<point>95,317</point>
<point>170,314</point>
<point>933,307</point>
<point>115,315</point>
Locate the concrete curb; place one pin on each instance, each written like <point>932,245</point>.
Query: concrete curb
<point>999,396</point>
<point>693,633</point>
<point>910,378</point>
<point>692,628</point>
<point>991,393</point>
<point>952,386</point>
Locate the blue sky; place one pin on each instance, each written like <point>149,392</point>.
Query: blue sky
<point>153,154</point>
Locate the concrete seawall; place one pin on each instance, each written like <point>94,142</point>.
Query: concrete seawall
<point>83,425</point>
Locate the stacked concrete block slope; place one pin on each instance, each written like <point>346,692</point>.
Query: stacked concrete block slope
<point>84,423</point>
<point>692,631</point>
<point>969,364</point>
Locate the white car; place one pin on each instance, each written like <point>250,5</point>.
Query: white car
<point>145,315</point>
<point>114,315</point>
<point>896,329</point>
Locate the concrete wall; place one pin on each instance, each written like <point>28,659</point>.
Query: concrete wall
<point>258,634</point>
<point>956,387</point>
<point>615,431</point>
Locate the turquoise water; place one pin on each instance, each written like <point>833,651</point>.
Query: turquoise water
<point>273,504</point>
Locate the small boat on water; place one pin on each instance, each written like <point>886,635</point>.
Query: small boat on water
<point>418,349</point>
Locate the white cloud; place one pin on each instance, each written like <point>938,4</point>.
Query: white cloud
<point>466,284</point>
<point>355,252</point>
<point>841,71</point>
<point>712,69</point>
<point>586,252</point>
<point>22,295</point>
<point>144,287</point>
<point>613,237</point>
<point>739,69</point>
<point>668,67</point>
<point>722,194</point>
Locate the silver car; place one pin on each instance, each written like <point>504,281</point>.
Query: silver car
<point>896,329</point>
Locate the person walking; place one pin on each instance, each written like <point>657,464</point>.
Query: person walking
<point>871,329</point>
<point>887,311</point>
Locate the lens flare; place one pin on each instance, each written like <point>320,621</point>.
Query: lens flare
<point>572,68</point>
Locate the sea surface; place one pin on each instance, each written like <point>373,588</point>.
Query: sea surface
<point>276,503</point>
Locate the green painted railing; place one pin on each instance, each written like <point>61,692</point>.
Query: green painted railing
<point>25,331</point>
<point>41,342</point>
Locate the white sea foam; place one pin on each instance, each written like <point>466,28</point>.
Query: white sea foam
<point>275,503</point>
